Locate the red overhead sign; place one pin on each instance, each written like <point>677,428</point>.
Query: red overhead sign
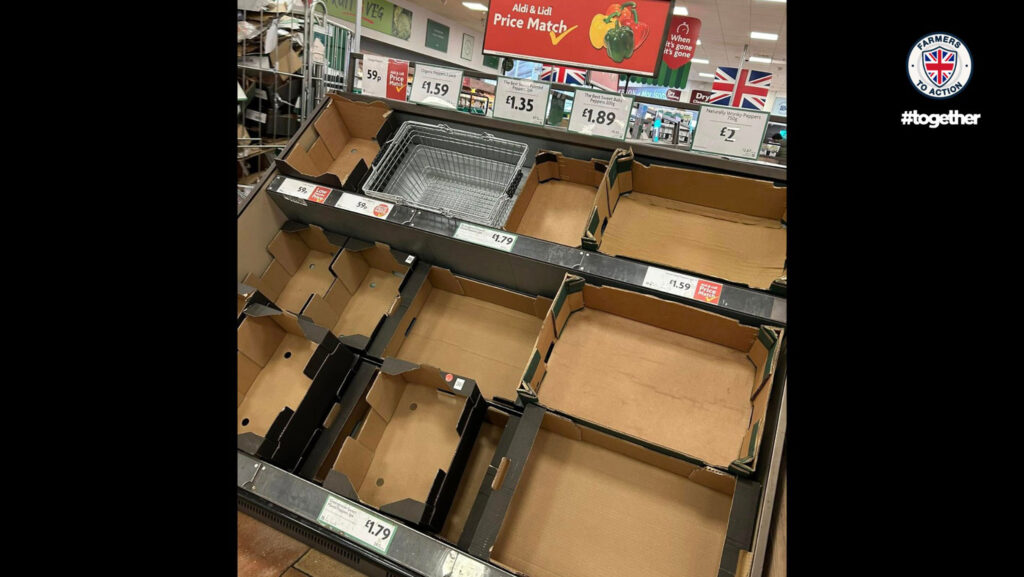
<point>682,41</point>
<point>597,34</point>
<point>700,96</point>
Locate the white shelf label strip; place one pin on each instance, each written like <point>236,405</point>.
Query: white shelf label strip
<point>357,524</point>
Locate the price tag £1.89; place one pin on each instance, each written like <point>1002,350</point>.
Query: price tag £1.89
<point>436,86</point>
<point>521,100</point>
<point>729,131</point>
<point>600,113</point>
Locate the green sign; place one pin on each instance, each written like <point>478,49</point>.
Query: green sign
<point>379,15</point>
<point>490,61</point>
<point>665,77</point>
<point>437,36</point>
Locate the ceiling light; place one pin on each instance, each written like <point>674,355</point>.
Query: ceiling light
<point>681,11</point>
<point>706,75</point>
<point>764,36</point>
<point>699,61</point>
<point>761,59</point>
<point>475,6</point>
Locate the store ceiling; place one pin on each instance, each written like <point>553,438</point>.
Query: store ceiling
<point>725,27</point>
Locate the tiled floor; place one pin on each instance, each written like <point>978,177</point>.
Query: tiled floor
<point>266,552</point>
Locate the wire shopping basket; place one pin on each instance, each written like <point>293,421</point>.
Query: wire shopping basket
<point>457,173</point>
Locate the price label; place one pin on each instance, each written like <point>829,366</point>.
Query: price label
<point>304,190</point>
<point>375,71</point>
<point>600,113</point>
<point>365,205</point>
<point>521,100</point>
<point>486,236</point>
<point>729,131</point>
<point>683,285</point>
<point>260,117</point>
<point>357,524</point>
<point>436,86</point>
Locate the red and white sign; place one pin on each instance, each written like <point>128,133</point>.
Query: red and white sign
<point>385,77</point>
<point>595,34</point>
<point>320,194</point>
<point>304,190</point>
<point>700,96</point>
<point>674,94</point>
<point>364,205</point>
<point>708,292</point>
<point>398,79</point>
<point>681,42</point>
<point>606,80</point>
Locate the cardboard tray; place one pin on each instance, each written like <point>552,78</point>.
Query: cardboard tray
<point>726,227</point>
<point>407,454</point>
<point>562,499</point>
<point>288,371</point>
<point>557,198</point>
<point>686,380</point>
<point>338,145</point>
<point>471,328</point>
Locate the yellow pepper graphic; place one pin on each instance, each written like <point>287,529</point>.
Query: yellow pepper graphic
<point>600,25</point>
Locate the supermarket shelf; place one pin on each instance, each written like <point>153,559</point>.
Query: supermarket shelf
<point>532,266</point>
<point>588,146</point>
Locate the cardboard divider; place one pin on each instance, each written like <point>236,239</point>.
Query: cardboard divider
<point>407,456</point>
<point>556,199</point>
<point>339,145</point>
<point>577,502</point>
<point>718,225</point>
<point>301,266</point>
<point>471,328</point>
<point>661,372</point>
<point>366,290</point>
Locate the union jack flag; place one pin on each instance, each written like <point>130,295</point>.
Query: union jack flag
<point>939,64</point>
<point>751,91</point>
<point>563,74</point>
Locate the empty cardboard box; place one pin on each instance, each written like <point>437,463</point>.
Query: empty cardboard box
<point>471,328</point>
<point>722,226</point>
<point>576,502</point>
<point>407,456</point>
<point>339,146</point>
<point>690,381</point>
<point>365,291</point>
<point>301,266</point>
<point>557,198</point>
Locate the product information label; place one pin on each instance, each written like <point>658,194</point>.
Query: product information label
<point>600,114</point>
<point>260,117</point>
<point>304,190</point>
<point>521,100</point>
<point>729,131</point>
<point>683,285</point>
<point>364,205</point>
<point>375,73</point>
<point>486,237</point>
<point>436,86</point>
<point>357,524</point>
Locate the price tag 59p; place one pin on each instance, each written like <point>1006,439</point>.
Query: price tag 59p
<point>436,86</point>
<point>375,70</point>
<point>600,113</point>
<point>521,100</point>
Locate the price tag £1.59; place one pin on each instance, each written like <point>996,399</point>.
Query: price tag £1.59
<point>600,113</point>
<point>521,100</point>
<point>436,86</point>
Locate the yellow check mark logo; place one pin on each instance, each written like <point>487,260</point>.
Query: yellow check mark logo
<point>556,39</point>
<point>399,88</point>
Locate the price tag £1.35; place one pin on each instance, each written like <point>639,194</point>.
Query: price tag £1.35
<point>436,86</point>
<point>521,100</point>
<point>600,113</point>
<point>375,73</point>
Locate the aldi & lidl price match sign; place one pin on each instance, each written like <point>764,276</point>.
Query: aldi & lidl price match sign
<point>597,34</point>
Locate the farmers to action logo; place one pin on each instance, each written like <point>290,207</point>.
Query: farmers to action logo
<point>939,65</point>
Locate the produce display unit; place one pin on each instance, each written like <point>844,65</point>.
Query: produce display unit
<point>288,498</point>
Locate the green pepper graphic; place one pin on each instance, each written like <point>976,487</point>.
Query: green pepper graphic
<point>618,42</point>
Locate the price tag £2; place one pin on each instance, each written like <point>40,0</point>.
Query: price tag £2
<point>436,86</point>
<point>375,71</point>
<point>483,236</point>
<point>729,131</point>
<point>521,100</point>
<point>353,522</point>
<point>600,113</point>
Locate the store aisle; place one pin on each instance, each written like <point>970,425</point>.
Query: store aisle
<point>266,552</point>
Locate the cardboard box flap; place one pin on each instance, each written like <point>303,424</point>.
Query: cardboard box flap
<point>546,164</point>
<point>381,257</point>
<point>764,353</point>
<point>272,281</point>
<point>354,461</point>
<point>362,119</point>
<point>408,508</point>
<point>561,425</point>
<point>318,239</point>
<point>331,128</point>
<point>320,310</point>
<point>248,443</point>
<point>671,316</point>
<point>726,192</point>
<point>443,279</point>
<point>248,370</point>
<point>714,479</point>
<point>258,338</point>
<point>385,393</point>
<point>429,376</point>
<point>568,299</point>
<point>499,296</point>
<point>350,268</point>
<point>339,484</point>
<point>289,250</point>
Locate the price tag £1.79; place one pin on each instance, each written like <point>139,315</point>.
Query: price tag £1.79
<point>600,113</point>
<point>521,100</point>
<point>483,236</point>
<point>436,86</point>
<point>352,521</point>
